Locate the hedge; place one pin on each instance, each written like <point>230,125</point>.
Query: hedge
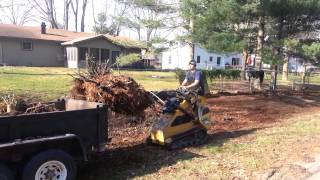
<point>213,74</point>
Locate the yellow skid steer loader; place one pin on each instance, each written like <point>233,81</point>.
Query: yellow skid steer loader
<point>184,119</point>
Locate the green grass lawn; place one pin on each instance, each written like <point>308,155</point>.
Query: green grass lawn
<point>50,83</point>
<point>261,150</point>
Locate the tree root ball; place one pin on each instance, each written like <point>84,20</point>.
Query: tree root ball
<point>121,93</point>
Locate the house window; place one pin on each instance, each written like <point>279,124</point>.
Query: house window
<point>94,53</point>
<point>105,54</point>
<point>198,59</point>
<point>82,53</point>
<point>169,59</point>
<point>114,56</point>
<point>235,61</point>
<point>211,59</point>
<point>27,46</point>
<point>218,61</point>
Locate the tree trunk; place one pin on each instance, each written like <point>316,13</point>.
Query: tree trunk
<point>118,30</point>
<point>304,75</point>
<point>191,51</point>
<point>274,75</point>
<point>191,26</point>
<point>139,34</point>
<point>260,40</point>
<point>76,22</point>
<point>75,12</point>
<point>66,14</point>
<point>274,85</point>
<point>51,14</point>
<point>149,31</point>
<point>245,55</point>
<point>84,5</point>
<point>285,68</point>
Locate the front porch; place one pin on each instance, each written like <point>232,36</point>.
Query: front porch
<point>76,56</point>
<point>100,47</point>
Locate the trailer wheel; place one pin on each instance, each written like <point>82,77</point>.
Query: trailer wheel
<point>50,164</point>
<point>5,173</point>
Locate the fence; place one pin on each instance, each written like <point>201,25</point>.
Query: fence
<point>296,82</point>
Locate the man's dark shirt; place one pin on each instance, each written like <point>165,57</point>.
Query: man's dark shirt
<point>191,76</point>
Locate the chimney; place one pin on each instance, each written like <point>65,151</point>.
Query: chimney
<point>43,28</point>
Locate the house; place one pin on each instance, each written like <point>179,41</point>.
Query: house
<point>178,56</point>
<point>296,64</point>
<point>151,60</point>
<point>41,46</point>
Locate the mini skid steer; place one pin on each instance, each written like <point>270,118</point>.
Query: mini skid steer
<point>184,119</point>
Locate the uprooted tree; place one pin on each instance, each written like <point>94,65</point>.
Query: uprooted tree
<point>121,93</point>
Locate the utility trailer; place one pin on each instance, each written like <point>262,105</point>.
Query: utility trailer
<point>49,145</point>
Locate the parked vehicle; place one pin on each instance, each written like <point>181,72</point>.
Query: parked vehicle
<point>49,145</point>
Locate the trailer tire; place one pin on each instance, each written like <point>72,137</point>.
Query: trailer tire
<point>5,173</point>
<point>50,163</point>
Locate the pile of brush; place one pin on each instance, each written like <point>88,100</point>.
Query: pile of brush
<point>11,105</point>
<point>121,93</point>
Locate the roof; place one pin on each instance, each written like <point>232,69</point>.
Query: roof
<point>118,40</point>
<point>63,36</point>
<point>29,32</point>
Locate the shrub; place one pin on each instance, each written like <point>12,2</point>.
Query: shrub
<point>212,74</point>
<point>128,59</point>
<point>220,73</point>
<point>180,75</point>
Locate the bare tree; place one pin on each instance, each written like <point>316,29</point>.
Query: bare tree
<point>17,13</point>
<point>149,16</point>
<point>47,11</point>
<point>84,5</point>
<point>66,14</point>
<point>75,8</point>
<point>113,22</point>
<point>93,14</point>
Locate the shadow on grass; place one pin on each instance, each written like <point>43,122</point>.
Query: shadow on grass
<point>303,100</point>
<point>144,159</point>
<point>134,161</point>
<point>217,140</point>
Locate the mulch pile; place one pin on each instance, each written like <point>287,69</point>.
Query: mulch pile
<point>121,93</point>
<point>127,131</point>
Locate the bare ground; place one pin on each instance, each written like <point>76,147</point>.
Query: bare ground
<point>233,116</point>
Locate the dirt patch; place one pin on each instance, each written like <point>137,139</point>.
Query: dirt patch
<point>129,157</point>
<point>231,113</point>
<point>290,171</point>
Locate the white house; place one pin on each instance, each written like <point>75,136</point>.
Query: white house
<point>179,55</point>
<point>296,65</point>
